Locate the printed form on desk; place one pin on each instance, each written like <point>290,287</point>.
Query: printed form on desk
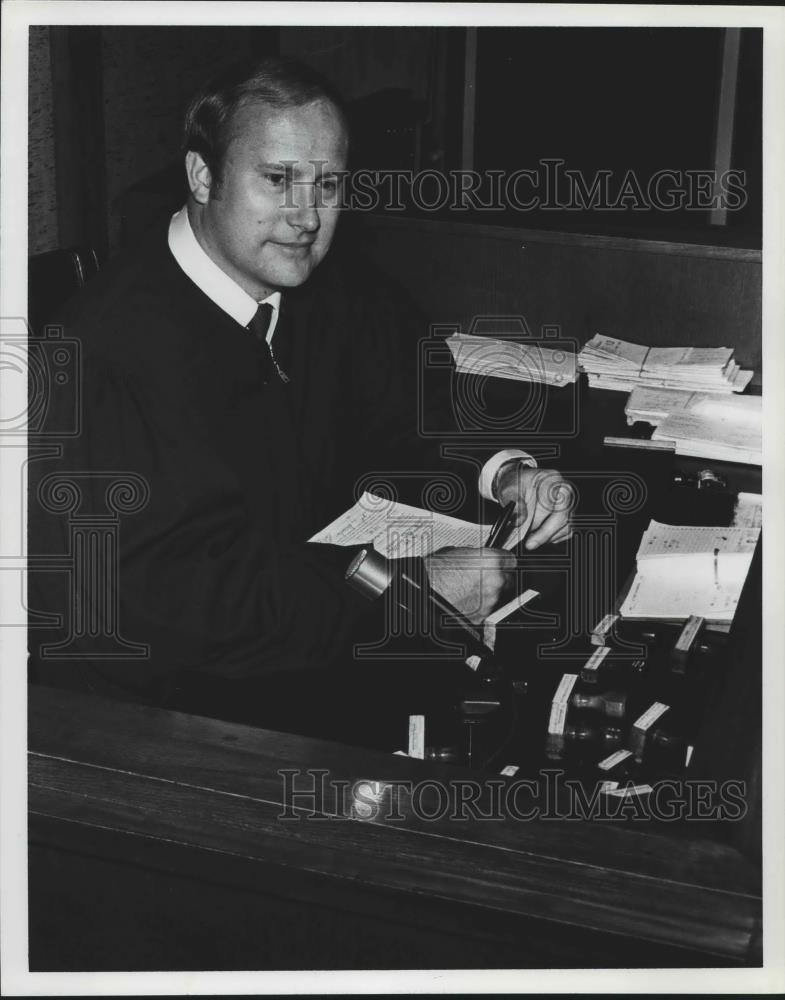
<point>730,437</point>
<point>683,571</point>
<point>668,540</point>
<point>655,404</point>
<point>397,530</point>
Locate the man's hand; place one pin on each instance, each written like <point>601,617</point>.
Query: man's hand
<point>541,497</point>
<point>473,580</point>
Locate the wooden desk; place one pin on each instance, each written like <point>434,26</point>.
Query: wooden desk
<point>156,838</point>
<point>156,843</point>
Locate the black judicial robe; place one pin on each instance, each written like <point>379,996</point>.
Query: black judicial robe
<point>215,571</point>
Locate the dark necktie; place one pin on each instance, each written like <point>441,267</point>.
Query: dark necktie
<point>259,326</point>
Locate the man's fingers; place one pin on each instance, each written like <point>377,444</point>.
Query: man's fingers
<point>521,513</point>
<point>539,515</point>
<point>554,494</point>
<point>548,529</point>
<point>547,494</point>
<point>554,500</point>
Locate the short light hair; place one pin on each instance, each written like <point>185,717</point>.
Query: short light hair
<point>272,80</point>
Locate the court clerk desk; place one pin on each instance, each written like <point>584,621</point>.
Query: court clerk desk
<point>156,838</point>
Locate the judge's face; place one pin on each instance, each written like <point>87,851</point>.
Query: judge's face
<point>271,219</point>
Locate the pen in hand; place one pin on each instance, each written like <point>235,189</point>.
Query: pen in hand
<point>500,530</point>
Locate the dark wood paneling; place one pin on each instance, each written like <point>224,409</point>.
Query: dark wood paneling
<point>362,60</point>
<point>77,83</point>
<point>644,291</point>
<point>150,74</point>
<point>41,195</point>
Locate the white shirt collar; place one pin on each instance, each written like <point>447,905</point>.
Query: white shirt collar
<point>208,276</point>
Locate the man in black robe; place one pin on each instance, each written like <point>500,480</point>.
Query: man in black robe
<point>248,383</point>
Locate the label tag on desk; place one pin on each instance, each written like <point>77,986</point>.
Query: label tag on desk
<point>602,629</point>
<point>688,636</point>
<point>614,759</point>
<point>559,704</point>
<point>650,716</point>
<point>642,726</point>
<point>596,658</point>
<point>623,793</point>
<point>493,619</point>
<point>417,736</point>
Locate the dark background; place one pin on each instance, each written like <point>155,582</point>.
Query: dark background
<point>106,105</point>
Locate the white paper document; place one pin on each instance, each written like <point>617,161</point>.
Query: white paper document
<point>724,427</point>
<point>678,597</point>
<point>686,570</point>
<point>667,540</point>
<point>613,355</point>
<point>721,436</point>
<point>399,531</point>
<point>655,404</point>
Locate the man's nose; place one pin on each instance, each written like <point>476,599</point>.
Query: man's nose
<point>305,215</point>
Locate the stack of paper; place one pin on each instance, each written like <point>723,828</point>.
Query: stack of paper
<point>725,428</point>
<point>712,437</point>
<point>709,368</point>
<point>653,405</point>
<point>683,571</point>
<point>519,360</point>
<point>611,363</point>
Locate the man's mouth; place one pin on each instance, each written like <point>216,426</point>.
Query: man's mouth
<point>295,248</point>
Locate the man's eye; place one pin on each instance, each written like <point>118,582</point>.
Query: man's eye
<point>275,180</point>
<point>330,189</point>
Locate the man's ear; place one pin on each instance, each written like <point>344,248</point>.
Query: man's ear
<point>199,177</point>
